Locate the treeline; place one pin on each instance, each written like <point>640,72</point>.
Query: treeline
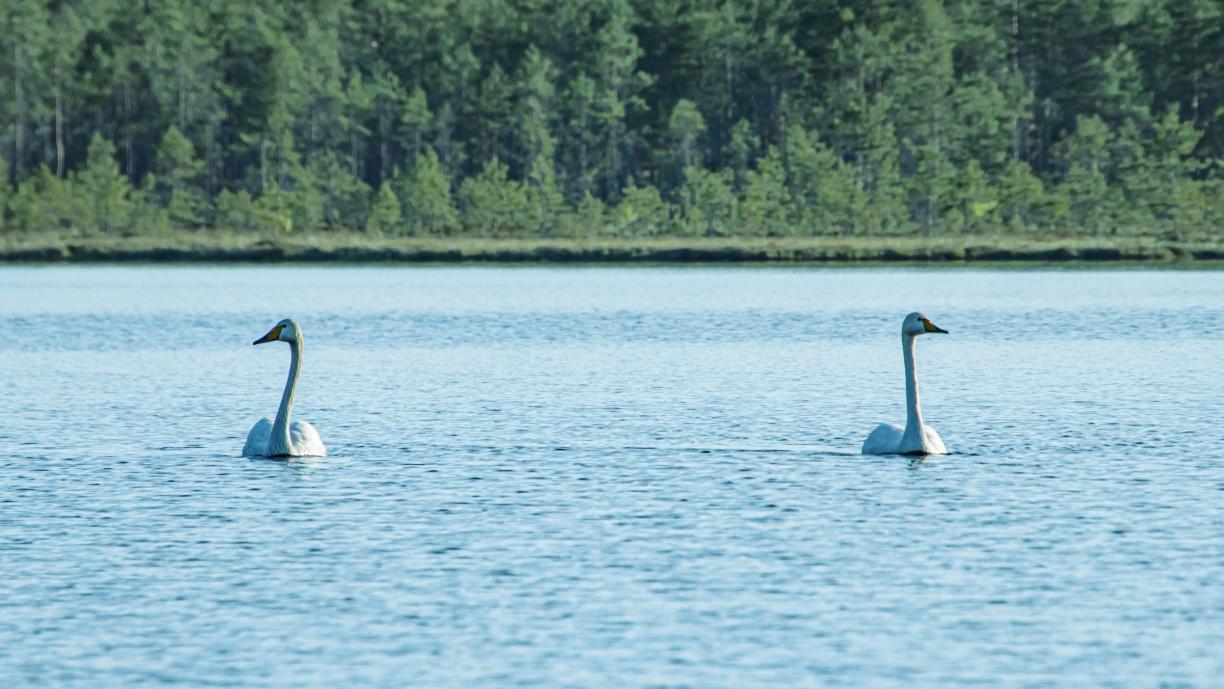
<point>608,118</point>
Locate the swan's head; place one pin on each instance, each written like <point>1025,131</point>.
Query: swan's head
<point>918,324</point>
<point>285,331</point>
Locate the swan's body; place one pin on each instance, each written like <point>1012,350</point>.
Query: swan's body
<point>916,438</point>
<point>283,437</point>
<point>304,441</point>
<point>889,439</point>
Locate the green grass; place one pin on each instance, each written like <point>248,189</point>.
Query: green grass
<point>221,246</point>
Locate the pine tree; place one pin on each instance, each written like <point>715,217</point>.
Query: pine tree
<point>535,108</point>
<point>105,190</point>
<point>425,197</point>
<point>1022,198</point>
<point>384,218</point>
<point>1172,188</point>
<point>414,122</point>
<point>910,117</point>
<point>580,150</point>
<point>1085,186</point>
<point>933,189</point>
<point>590,217</point>
<point>642,213</point>
<point>358,107</point>
<point>544,198</point>
<point>27,207</point>
<point>45,203</point>
<point>686,126</point>
<point>237,211</point>
<point>179,175</point>
<point>740,152</point>
<point>344,197</point>
<point>618,96</point>
<point>707,203</point>
<point>494,205</point>
<point>723,39</point>
<point>24,41</point>
<point>977,204</point>
<point>765,204</point>
<point>821,185</point>
<point>491,120</point>
<point>6,196</point>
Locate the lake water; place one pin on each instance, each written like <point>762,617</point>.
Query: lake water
<point>611,477</point>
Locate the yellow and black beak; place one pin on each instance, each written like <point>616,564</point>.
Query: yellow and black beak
<point>931,327</point>
<point>272,336</point>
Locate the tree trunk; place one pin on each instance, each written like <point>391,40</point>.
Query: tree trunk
<point>59,126</point>
<point>384,135</point>
<point>353,163</point>
<point>182,96</point>
<point>128,141</point>
<point>1018,122</point>
<point>610,180</point>
<point>19,133</point>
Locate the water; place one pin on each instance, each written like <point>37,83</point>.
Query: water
<point>597,477</point>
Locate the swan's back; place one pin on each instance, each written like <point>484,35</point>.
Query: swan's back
<point>257,440</point>
<point>306,440</point>
<point>932,444</point>
<point>889,439</point>
<point>884,440</point>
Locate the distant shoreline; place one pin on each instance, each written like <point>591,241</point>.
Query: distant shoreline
<point>349,248</point>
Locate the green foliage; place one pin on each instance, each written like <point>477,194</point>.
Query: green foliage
<point>740,151</point>
<point>544,200</point>
<point>589,217</point>
<point>343,199</point>
<point>44,203</point>
<point>237,211</point>
<point>493,204</point>
<point>642,213</point>
<point>824,193</point>
<point>707,203</point>
<point>104,191</point>
<point>613,117</point>
<point>6,197</point>
<point>425,196</point>
<point>1022,198</point>
<point>1085,185</point>
<point>933,192</point>
<point>536,144</point>
<point>765,204</point>
<point>414,121</point>
<point>274,211</point>
<point>686,126</point>
<point>177,186</point>
<point>384,216</point>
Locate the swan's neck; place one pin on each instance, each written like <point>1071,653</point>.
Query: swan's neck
<point>913,409</point>
<point>278,442</point>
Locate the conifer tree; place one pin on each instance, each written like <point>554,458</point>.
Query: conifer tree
<point>384,218</point>
<point>425,197</point>
<point>178,189</point>
<point>104,190</point>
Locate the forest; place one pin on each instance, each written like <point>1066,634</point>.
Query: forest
<point>613,118</point>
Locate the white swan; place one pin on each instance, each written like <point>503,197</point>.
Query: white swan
<point>917,438</point>
<point>281,438</point>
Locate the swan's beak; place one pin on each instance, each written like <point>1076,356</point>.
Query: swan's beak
<point>272,336</point>
<point>932,328</point>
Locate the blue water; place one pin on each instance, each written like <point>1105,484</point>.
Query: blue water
<point>606,477</point>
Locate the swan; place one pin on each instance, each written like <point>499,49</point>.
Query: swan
<point>916,438</point>
<point>280,438</point>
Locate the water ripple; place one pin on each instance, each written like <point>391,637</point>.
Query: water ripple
<point>610,478</point>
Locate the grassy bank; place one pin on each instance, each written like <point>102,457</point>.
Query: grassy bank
<point>332,247</point>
